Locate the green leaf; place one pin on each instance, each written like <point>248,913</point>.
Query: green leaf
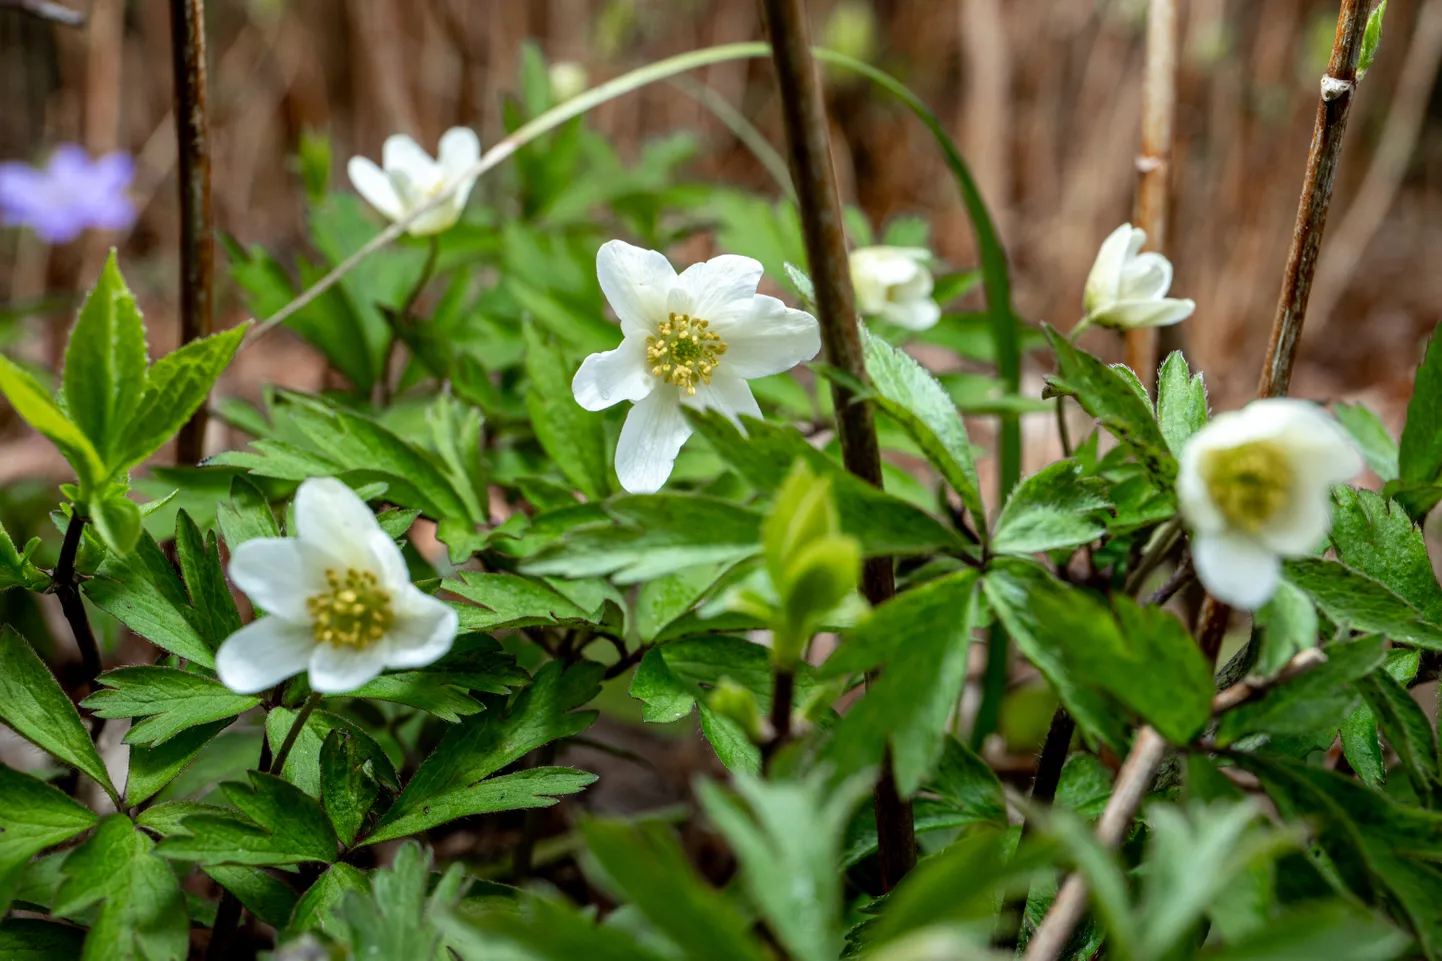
<point>117,518</point>
<point>31,939</point>
<point>178,384</point>
<point>170,700</point>
<point>314,910</point>
<point>105,362</point>
<point>1376,537</point>
<point>210,597</point>
<point>16,567</point>
<point>573,438</point>
<point>33,817</point>
<point>1320,697</point>
<point>302,768</point>
<point>247,516</point>
<point>1054,508</point>
<point>274,823</point>
<point>34,403</point>
<point>537,787</point>
<point>1288,624</point>
<point>1361,603</point>
<point>1371,39</point>
<point>33,703</point>
<point>1419,454</point>
<point>513,601</point>
<point>395,918</point>
<point>481,745</point>
<point>152,768</point>
<point>1372,438</point>
<point>787,836</point>
<point>425,690</point>
<point>1157,670</point>
<point>646,866</point>
<point>929,630</point>
<point>1181,402</point>
<point>141,591</point>
<point>346,789</point>
<point>1335,931</point>
<point>142,909</point>
<point>913,398</point>
<point>665,697</point>
<point>1408,731</point>
<point>267,897</point>
<point>1112,399</point>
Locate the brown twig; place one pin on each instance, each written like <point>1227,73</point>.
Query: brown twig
<point>809,144</point>
<point>1154,164</point>
<point>782,700</point>
<point>1181,577</point>
<point>48,11</point>
<point>66,586</point>
<point>1338,86</point>
<point>197,250</point>
<point>1251,688</point>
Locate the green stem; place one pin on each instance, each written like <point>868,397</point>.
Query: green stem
<point>296,726</point>
<point>993,685</point>
<point>401,324</point>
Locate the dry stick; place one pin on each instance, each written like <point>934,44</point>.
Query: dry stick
<point>197,249</point>
<point>1154,164</point>
<point>1149,747</point>
<point>807,139</point>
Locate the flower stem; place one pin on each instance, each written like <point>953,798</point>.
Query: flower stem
<point>401,322</point>
<point>197,229</point>
<point>814,175</point>
<point>296,726</point>
<point>66,587</point>
<point>782,699</point>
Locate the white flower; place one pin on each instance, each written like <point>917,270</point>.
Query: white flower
<point>568,79</point>
<point>1254,488</point>
<point>893,283</point>
<point>1128,289</point>
<point>411,178</point>
<point>691,339</point>
<point>339,598</point>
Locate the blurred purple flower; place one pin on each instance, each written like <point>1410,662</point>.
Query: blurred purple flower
<point>68,195</point>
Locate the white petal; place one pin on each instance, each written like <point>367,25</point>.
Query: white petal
<point>1299,528</point>
<point>1193,498</point>
<point>338,668</point>
<point>460,150</point>
<point>727,393</point>
<point>721,288</point>
<point>890,266</point>
<point>402,155</point>
<point>1237,571</point>
<point>636,283</point>
<point>1106,273</point>
<point>1133,314</point>
<point>263,653</point>
<point>278,574</point>
<point>913,314</point>
<point>1146,277</point>
<point>650,439</point>
<point>436,220</point>
<point>613,376</point>
<point>330,516</point>
<point>770,339</point>
<point>423,631</point>
<point>375,187</point>
<point>388,563</point>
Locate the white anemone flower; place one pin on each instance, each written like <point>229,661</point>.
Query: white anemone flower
<point>1127,289</point>
<point>411,177</point>
<point>339,600</point>
<point>893,283</point>
<point>1254,486</point>
<point>691,339</point>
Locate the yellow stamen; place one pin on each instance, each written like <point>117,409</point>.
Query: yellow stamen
<point>684,351</point>
<point>1249,483</point>
<point>354,612</point>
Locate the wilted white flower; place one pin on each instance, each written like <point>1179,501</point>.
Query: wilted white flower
<point>1127,289</point>
<point>691,339</point>
<point>411,178</point>
<point>568,79</point>
<point>893,283</point>
<point>340,601</point>
<point>1254,488</point>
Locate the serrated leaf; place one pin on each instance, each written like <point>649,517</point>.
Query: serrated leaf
<point>210,597</point>
<point>1419,453</point>
<point>1371,436</point>
<point>16,567</point>
<point>535,787</point>
<point>141,591</point>
<point>117,518</point>
<point>302,768</point>
<point>513,601</point>
<point>346,790</point>
<point>1363,604</point>
<point>425,690</point>
<point>1408,731</point>
<point>105,361</point>
<point>267,897</point>
<point>314,909</point>
<point>1181,402</point>
<point>178,384</point>
<point>574,438</point>
<point>1377,537</point>
<point>1288,624</point>
<point>912,397</point>
<point>1313,700</point>
<point>34,705</point>
<point>275,823</point>
<point>34,403</point>
<point>152,768</point>
<point>247,515</point>
<point>1054,508</point>
<point>33,817</point>
<point>169,700</point>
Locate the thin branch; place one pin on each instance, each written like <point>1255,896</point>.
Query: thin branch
<point>1181,577</point>
<point>1154,165</point>
<point>742,129</point>
<point>48,11</point>
<point>782,699</point>
<point>65,584</point>
<point>813,173</point>
<point>1338,87</point>
<point>1251,688</point>
<point>401,322</point>
<point>197,229</point>
<point>277,766</point>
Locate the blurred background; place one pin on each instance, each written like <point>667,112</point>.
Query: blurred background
<point>1042,95</point>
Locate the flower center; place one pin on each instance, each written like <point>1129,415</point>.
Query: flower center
<point>1249,483</point>
<point>684,351</point>
<point>354,612</point>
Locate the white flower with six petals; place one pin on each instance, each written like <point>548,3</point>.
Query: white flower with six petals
<point>339,600</point>
<point>411,177</point>
<point>691,339</point>
<point>893,283</point>
<point>1254,487</point>
<point>1127,289</point>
